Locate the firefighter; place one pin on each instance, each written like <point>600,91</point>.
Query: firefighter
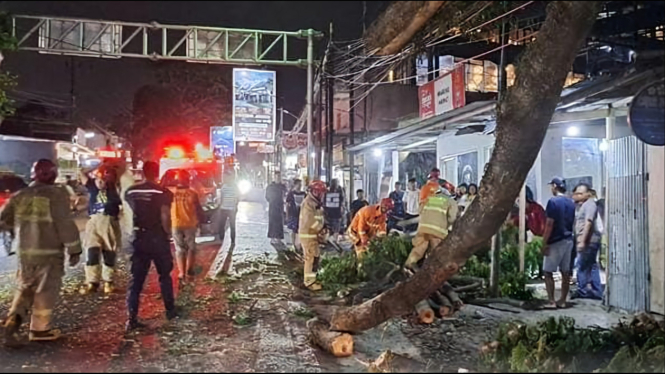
<point>310,229</point>
<point>103,236</point>
<point>436,217</point>
<point>368,223</point>
<point>45,232</point>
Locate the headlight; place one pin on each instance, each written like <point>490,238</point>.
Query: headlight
<point>244,186</point>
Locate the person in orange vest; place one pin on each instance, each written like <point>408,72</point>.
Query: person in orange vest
<point>431,187</point>
<point>368,223</point>
<point>186,215</point>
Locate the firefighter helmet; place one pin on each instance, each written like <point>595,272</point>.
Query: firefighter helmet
<point>448,186</point>
<point>387,204</point>
<point>44,171</point>
<point>318,189</point>
<point>106,173</point>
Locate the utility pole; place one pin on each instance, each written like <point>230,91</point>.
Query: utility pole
<point>496,239</point>
<point>309,100</point>
<point>319,124</point>
<point>281,140</point>
<point>329,122</point>
<point>352,167</point>
<point>72,92</point>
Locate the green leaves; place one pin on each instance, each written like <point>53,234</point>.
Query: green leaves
<point>383,254</point>
<point>555,345</point>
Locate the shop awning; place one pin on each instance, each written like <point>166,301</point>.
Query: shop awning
<point>585,101</point>
<point>422,135</point>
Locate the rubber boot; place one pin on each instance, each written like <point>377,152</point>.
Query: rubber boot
<point>89,288</point>
<point>45,336</point>
<point>12,326</point>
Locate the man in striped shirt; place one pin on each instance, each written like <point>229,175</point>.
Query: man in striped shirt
<point>229,207</point>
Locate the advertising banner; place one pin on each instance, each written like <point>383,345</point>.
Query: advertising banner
<point>443,94</point>
<point>293,141</point>
<point>221,141</point>
<point>254,109</point>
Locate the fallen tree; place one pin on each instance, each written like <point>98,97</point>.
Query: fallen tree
<point>522,121</point>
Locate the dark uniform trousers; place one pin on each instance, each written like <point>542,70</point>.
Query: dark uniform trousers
<point>148,248</point>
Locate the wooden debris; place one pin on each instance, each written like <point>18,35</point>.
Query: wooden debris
<point>448,291</point>
<point>336,343</point>
<point>445,303</point>
<point>425,313</point>
<point>390,362</point>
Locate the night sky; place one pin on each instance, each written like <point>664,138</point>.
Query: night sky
<point>104,88</point>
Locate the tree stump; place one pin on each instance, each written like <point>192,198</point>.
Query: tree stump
<point>337,343</point>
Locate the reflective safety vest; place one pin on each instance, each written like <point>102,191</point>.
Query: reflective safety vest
<point>428,190</point>
<point>311,220</point>
<point>42,222</point>
<point>437,216</point>
<point>368,223</point>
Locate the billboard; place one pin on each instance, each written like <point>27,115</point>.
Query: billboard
<point>254,109</point>
<point>221,141</point>
<point>442,94</point>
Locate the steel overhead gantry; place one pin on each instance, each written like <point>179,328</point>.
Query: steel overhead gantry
<point>155,41</point>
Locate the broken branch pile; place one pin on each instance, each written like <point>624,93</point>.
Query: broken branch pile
<point>557,346</point>
<point>380,269</point>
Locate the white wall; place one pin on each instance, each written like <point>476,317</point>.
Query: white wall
<point>656,206</point>
<point>449,145</point>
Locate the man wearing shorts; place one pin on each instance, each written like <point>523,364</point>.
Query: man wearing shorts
<point>558,239</point>
<point>186,214</point>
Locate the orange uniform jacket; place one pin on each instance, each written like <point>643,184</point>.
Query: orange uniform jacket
<point>429,189</point>
<point>368,223</point>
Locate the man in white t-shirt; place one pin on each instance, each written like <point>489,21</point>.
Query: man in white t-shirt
<point>412,200</point>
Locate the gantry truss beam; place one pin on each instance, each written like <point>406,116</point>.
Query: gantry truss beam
<point>155,41</point>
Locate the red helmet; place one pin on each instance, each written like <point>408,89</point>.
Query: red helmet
<point>448,186</point>
<point>318,189</point>
<point>106,173</point>
<point>387,204</point>
<point>44,171</point>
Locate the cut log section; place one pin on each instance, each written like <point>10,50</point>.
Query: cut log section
<point>337,343</point>
<point>425,313</point>
<point>448,291</point>
<point>446,305</point>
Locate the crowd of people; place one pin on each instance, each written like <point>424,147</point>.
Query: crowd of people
<point>45,232</point>
<point>40,216</point>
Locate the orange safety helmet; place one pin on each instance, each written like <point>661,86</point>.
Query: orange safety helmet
<point>387,204</point>
<point>44,171</point>
<point>318,189</point>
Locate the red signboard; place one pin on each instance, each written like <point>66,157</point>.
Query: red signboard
<point>443,94</point>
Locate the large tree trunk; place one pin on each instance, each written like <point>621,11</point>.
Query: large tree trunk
<point>522,121</point>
